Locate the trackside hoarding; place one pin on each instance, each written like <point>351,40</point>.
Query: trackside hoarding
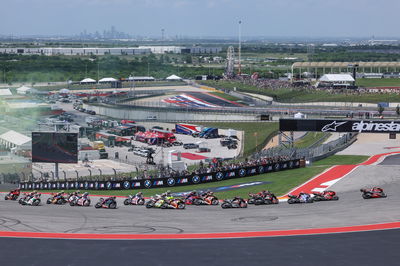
<point>337,125</point>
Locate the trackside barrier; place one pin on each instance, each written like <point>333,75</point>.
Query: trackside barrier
<point>164,182</point>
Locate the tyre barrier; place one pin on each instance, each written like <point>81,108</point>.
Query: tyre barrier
<point>163,182</point>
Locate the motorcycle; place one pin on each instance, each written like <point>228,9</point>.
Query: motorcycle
<point>207,200</point>
<point>54,200</point>
<point>109,203</point>
<point>154,203</point>
<point>80,201</point>
<point>326,195</point>
<point>300,199</point>
<point>189,200</point>
<point>234,203</point>
<point>11,196</point>
<point>375,192</point>
<point>133,200</point>
<point>173,204</point>
<point>30,200</point>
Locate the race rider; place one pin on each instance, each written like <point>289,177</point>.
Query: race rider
<point>209,197</point>
<point>108,200</point>
<point>16,192</point>
<point>376,190</point>
<point>58,196</point>
<point>304,196</point>
<point>139,195</point>
<point>36,195</point>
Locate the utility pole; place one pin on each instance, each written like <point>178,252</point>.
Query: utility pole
<point>240,47</point>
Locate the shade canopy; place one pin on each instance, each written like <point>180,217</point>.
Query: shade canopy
<point>337,78</point>
<point>173,77</point>
<point>107,80</point>
<point>87,80</point>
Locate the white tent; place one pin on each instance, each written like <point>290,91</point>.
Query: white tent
<point>25,90</point>
<point>106,80</point>
<point>173,77</point>
<point>64,91</point>
<point>5,92</point>
<point>337,78</point>
<point>13,139</point>
<point>87,80</point>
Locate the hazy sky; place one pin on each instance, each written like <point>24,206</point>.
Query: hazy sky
<point>286,18</point>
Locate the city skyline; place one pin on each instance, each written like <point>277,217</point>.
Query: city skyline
<point>284,18</point>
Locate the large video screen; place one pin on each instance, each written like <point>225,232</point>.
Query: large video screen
<point>54,147</point>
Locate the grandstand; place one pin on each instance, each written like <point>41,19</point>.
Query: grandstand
<point>321,68</point>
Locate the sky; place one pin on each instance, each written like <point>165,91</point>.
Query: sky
<point>268,18</point>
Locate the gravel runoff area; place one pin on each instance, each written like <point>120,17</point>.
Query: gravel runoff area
<point>350,210</point>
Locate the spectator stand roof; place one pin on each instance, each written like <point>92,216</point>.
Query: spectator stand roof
<point>344,64</point>
<point>337,78</point>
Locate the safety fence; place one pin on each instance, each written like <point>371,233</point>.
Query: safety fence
<point>311,153</point>
<point>191,179</point>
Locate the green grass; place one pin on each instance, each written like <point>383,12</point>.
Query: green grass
<point>282,182</point>
<point>286,95</point>
<point>310,138</point>
<point>341,159</point>
<point>263,131</point>
<point>395,82</point>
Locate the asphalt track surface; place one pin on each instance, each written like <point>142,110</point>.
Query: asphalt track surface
<point>362,248</point>
<point>366,248</point>
<point>213,100</point>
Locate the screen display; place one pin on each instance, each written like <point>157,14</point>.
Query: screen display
<point>53,147</point>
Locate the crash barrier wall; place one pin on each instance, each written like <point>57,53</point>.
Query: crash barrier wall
<point>313,153</point>
<point>163,182</point>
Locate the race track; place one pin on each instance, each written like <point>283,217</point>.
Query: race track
<point>350,210</point>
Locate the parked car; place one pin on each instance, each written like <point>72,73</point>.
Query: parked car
<point>204,149</point>
<point>190,146</point>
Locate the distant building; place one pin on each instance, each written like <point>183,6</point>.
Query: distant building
<point>112,51</point>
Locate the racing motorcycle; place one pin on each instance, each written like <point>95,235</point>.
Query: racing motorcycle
<point>207,200</point>
<point>375,192</point>
<point>11,196</point>
<point>134,200</point>
<point>80,201</point>
<point>236,202</point>
<point>191,199</point>
<point>324,196</point>
<point>109,203</point>
<point>173,204</point>
<point>54,200</point>
<point>301,198</point>
<point>154,202</point>
<point>30,200</point>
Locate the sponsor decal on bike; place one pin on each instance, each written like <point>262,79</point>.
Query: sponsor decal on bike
<point>242,172</point>
<point>109,185</point>
<point>171,181</point>
<point>196,179</point>
<point>127,185</point>
<point>207,178</point>
<point>147,183</point>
